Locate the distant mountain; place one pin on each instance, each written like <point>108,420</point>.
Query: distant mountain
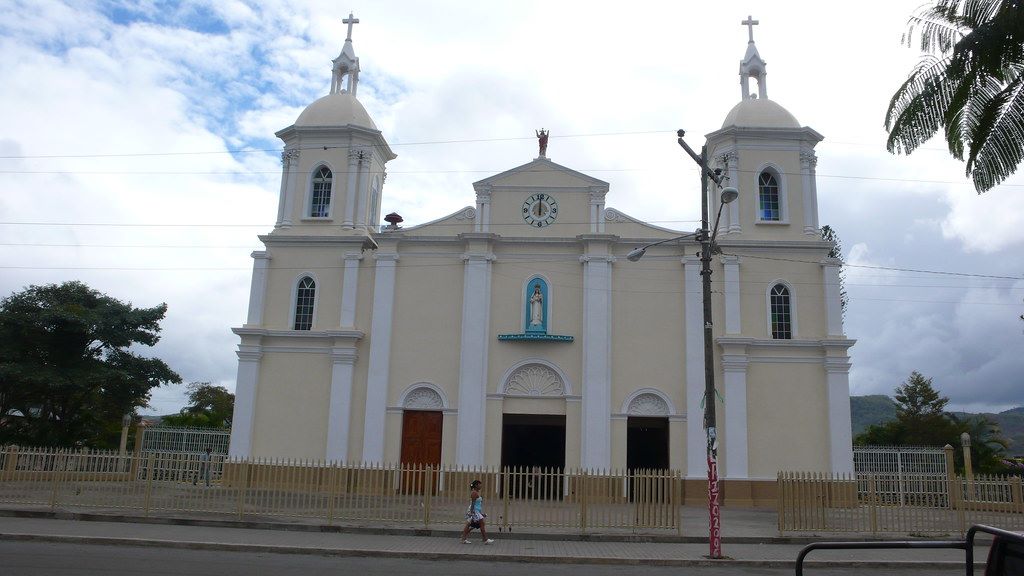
<point>870,410</point>
<point>878,409</point>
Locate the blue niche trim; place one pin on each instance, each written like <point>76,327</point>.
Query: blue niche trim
<point>536,337</point>
<point>534,287</point>
<point>535,304</point>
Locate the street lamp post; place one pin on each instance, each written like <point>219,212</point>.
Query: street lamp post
<point>706,237</point>
<point>126,422</point>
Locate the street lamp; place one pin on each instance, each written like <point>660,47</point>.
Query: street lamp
<point>706,237</point>
<point>126,422</point>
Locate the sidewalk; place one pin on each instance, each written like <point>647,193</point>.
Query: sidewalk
<point>740,546</point>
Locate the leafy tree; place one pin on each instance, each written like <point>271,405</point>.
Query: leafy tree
<point>67,374</point>
<point>921,420</point>
<point>969,82</point>
<point>917,399</point>
<point>829,234</point>
<point>209,407</point>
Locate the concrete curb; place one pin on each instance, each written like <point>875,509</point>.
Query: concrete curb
<point>429,532</point>
<point>497,556</point>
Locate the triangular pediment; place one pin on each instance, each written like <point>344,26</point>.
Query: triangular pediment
<point>540,172</point>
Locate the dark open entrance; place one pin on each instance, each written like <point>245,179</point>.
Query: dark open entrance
<point>533,449</point>
<point>646,450</point>
<point>647,443</point>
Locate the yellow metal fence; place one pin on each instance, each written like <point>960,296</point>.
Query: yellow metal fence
<point>897,503</point>
<point>392,494</point>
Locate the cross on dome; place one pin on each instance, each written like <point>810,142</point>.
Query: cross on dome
<point>346,64</point>
<point>350,21</point>
<point>749,23</point>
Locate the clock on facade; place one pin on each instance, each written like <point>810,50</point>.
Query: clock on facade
<point>540,210</point>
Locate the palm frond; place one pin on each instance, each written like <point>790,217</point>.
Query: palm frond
<point>998,138</point>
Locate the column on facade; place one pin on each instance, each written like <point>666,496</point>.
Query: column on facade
<point>810,193</point>
<point>244,415</point>
<point>378,374</point>
<point>731,161</point>
<point>476,306</point>
<point>352,186</point>
<point>289,178</point>
<point>258,288</point>
<point>693,310</point>
<point>339,414</point>
<point>837,372</point>
<point>363,197</point>
<point>833,296</point>
<point>483,208</point>
<point>595,434</point>
<point>733,317</point>
<point>350,289</point>
<point>734,369</point>
<point>597,198</point>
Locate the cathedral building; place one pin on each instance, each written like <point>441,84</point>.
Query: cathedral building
<point>514,331</point>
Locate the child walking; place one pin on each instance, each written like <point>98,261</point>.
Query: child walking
<point>475,515</point>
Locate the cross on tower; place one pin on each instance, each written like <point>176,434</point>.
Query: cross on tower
<point>350,21</point>
<point>749,23</point>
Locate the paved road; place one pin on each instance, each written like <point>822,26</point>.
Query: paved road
<point>55,558</point>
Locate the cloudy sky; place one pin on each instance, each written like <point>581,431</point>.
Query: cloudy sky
<point>137,151</point>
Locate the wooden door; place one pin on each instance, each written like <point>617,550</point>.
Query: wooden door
<point>421,447</point>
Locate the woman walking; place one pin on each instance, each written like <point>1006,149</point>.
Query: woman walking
<point>475,515</point>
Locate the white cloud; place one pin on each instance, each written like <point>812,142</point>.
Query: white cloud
<point>225,76</point>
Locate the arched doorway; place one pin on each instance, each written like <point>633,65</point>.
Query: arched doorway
<point>422,428</point>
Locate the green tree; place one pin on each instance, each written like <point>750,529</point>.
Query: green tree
<point>67,372</point>
<point>209,407</point>
<point>969,82</point>
<point>829,234</point>
<point>921,420</point>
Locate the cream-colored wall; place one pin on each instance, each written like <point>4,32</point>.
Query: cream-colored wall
<point>508,284</point>
<point>573,213</point>
<point>648,329</point>
<point>291,405</point>
<point>806,290</point>
<point>787,164</point>
<point>287,265</point>
<point>428,323</point>
<point>787,409</point>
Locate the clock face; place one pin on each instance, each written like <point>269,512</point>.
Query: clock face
<point>540,210</point>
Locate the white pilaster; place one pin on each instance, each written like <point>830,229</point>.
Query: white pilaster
<point>696,443</point>
<point>476,306</point>
<point>837,371</point>
<point>734,367</point>
<point>596,441</point>
<point>733,319</point>
<point>340,409</point>
<point>349,289</point>
<point>289,187</point>
<point>258,288</point>
<point>378,376</point>
<point>351,191</point>
<point>731,160</point>
<point>483,208</point>
<point>289,164</point>
<point>244,413</point>
<point>810,196</point>
<point>597,198</point>
<point>833,296</point>
<point>363,194</point>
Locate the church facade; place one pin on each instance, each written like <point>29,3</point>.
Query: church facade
<point>515,332</point>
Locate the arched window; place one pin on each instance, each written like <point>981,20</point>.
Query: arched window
<point>320,203</point>
<point>304,298</point>
<point>769,207</point>
<point>781,313</point>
